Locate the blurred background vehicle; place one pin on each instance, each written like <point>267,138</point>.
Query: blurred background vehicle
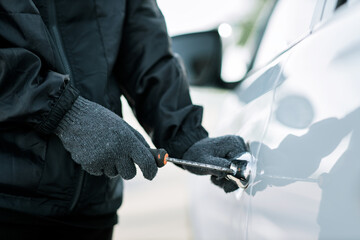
<point>283,75</point>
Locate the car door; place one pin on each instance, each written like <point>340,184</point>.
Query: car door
<point>248,112</point>
<point>306,185</point>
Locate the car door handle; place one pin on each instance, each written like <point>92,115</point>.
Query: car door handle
<point>242,167</point>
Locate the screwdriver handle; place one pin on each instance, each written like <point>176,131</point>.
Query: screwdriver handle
<point>160,156</point>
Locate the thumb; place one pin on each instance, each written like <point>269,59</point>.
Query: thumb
<point>142,156</point>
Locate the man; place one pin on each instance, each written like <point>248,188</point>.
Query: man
<point>63,146</point>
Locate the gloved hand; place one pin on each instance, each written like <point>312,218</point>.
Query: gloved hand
<point>102,143</point>
<point>216,151</point>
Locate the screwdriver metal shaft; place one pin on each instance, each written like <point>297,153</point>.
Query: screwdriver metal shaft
<point>200,165</point>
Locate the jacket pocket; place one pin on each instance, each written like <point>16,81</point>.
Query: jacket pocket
<point>60,172</point>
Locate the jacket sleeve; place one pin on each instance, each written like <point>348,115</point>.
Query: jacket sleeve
<point>33,92</point>
<point>154,80</point>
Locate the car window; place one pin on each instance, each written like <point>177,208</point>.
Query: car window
<point>290,21</point>
<point>332,6</point>
<point>240,25</point>
<point>240,48</point>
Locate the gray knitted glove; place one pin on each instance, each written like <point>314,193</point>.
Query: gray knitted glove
<point>102,143</point>
<point>216,151</point>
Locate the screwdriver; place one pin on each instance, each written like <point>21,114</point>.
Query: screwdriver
<point>238,170</point>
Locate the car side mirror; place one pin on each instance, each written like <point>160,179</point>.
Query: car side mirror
<point>202,54</point>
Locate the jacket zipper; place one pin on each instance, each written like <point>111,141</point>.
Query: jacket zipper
<point>53,27</point>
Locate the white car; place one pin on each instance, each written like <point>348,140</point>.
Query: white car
<point>299,109</point>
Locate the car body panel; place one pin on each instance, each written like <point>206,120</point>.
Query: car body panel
<point>300,114</point>
<point>308,159</point>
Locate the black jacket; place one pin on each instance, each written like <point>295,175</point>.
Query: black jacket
<point>53,50</point>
